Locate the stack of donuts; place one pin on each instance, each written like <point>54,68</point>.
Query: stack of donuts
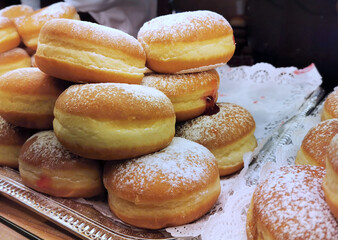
<point>183,51</point>
<point>20,26</point>
<point>85,118</point>
<point>301,201</point>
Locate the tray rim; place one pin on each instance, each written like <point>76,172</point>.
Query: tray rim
<point>63,216</point>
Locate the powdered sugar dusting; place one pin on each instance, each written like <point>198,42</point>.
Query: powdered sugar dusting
<point>5,22</point>
<point>180,25</point>
<point>332,153</point>
<point>331,103</point>
<point>55,10</point>
<point>230,124</point>
<point>183,164</point>
<point>316,141</point>
<point>13,53</point>
<point>82,95</point>
<point>46,144</point>
<point>291,204</point>
<point>45,148</point>
<point>6,129</point>
<point>177,84</point>
<point>103,32</point>
<point>92,32</point>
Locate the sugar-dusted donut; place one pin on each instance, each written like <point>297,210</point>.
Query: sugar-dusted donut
<point>187,42</point>
<point>171,187</point>
<point>11,140</point>
<point>46,166</point>
<point>191,94</point>
<point>29,27</point>
<point>81,51</point>
<point>14,59</point>
<point>313,149</point>
<point>16,12</point>
<point>290,204</point>
<point>111,121</point>
<point>228,134</point>
<point>9,37</point>
<point>330,182</point>
<point>330,108</point>
<point>27,97</point>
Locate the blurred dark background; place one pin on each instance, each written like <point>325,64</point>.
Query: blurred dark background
<point>280,32</point>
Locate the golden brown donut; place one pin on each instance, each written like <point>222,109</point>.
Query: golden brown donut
<point>29,27</point>
<point>11,140</point>
<point>191,94</point>
<point>46,166</point>
<point>228,134</point>
<point>112,121</point>
<point>14,59</point>
<point>33,63</point>
<point>187,42</point>
<point>174,186</point>
<point>9,37</point>
<point>313,149</point>
<point>330,108</point>
<point>330,182</point>
<point>80,51</point>
<point>290,204</point>
<point>27,97</point>
<point>16,12</point>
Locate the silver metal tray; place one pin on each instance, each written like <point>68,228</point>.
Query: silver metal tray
<point>80,219</point>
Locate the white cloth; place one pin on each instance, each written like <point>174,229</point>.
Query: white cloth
<point>125,15</point>
<point>35,4</point>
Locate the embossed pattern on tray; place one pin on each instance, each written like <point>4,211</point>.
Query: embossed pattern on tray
<point>58,213</point>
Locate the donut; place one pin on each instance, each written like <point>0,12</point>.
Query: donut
<point>11,140</point>
<point>27,97</point>
<point>330,182</point>
<point>187,42</point>
<point>33,64</point>
<point>46,166</point>
<point>9,37</point>
<point>113,121</point>
<point>29,27</point>
<point>14,59</point>
<point>228,134</point>
<point>290,204</point>
<point>313,149</point>
<point>191,94</point>
<point>16,12</point>
<point>174,186</point>
<point>330,108</point>
<point>80,51</point>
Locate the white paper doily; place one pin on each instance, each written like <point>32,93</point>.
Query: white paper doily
<point>273,96</point>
